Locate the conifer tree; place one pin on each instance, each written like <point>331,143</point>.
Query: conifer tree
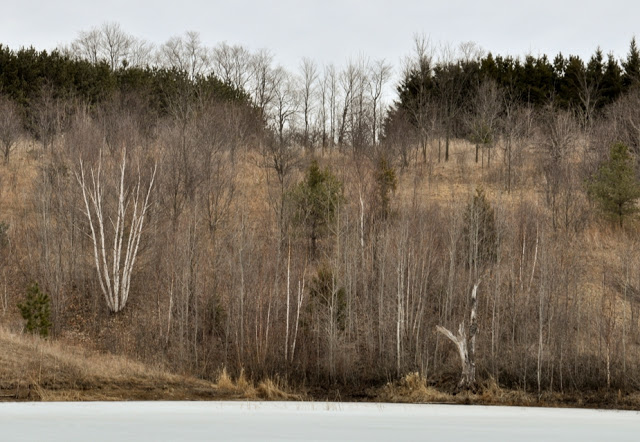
<point>386,183</point>
<point>615,186</point>
<point>315,202</point>
<point>631,66</point>
<point>611,80</point>
<point>36,311</point>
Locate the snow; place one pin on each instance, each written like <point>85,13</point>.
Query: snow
<point>308,421</point>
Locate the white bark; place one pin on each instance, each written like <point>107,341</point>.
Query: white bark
<point>466,349</point>
<point>300,299</point>
<point>286,337</point>
<point>114,273</point>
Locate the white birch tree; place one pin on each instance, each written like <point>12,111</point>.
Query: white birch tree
<point>115,236</point>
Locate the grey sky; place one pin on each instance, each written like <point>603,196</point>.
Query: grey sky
<point>334,30</point>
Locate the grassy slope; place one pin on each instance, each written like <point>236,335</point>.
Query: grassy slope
<point>35,369</point>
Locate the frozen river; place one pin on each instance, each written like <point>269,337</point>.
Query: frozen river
<point>292,421</point>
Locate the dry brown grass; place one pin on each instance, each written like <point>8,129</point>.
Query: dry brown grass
<point>33,368</point>
<point>412,388</point>
<point>17,180</point>
<point>36,369</point>
<point>267,389</point>
<point>271,390</point>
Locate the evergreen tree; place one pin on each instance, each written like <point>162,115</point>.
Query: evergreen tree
<point>569,90</point>
<point>611,80</point>
<point>36,311</point>
<point>315,202</point>
<point>631,65</point>
<point>386,183</point>
<point>615,186</point>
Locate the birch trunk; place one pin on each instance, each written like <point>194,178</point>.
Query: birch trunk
<point>114,269</point>
<point>466,349</point>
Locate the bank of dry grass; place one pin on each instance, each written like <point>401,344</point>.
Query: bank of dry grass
<point>414,388</point>
<point>36,369</point>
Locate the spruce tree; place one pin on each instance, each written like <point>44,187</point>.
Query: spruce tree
<point>611,80</point>
<point>631,65</point>
<point>615,186</point>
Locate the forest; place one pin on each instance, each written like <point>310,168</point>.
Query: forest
<point>202,208</point>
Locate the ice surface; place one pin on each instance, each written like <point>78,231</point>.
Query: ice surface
<point>309,421</point>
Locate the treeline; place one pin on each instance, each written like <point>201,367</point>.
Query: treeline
<point>275,223</point>
<point>568,82</point>
<point>311,107</point>
<point>45,86</point>
<point>460,92</point>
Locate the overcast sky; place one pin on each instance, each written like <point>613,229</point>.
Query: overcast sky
<point>334,30</point>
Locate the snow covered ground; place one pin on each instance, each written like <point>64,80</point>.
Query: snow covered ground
<point>292,421</point>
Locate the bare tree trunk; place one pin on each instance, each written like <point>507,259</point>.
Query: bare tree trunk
<point>299,306</point>
<point>286,336</point>
<point>467,351</point>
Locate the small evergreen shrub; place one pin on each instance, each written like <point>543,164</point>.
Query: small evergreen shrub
<point>36,311</point>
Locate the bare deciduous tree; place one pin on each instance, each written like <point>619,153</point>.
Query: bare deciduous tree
<point>186,54</point>
<point>232,64</point>
<point>309,72</point>
<point>559,139</point>
<point>122,235</point>
<point>261,79</point>
<point>421,108</point>
<point>46,115</point>
<point>379,76</point>
<point>285,102</point>
<point>88,46</point>
<point>110,44</point>
<point>487,105</point>
<point>116,44</point>
<point>10,125</point>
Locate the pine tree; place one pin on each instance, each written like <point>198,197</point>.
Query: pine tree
<point>631,65</point>
<point>615,186</point>
<point>611,80</point>
<point>315,202</point>
<point>36,310</point>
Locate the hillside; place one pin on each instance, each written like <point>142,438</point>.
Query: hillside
<point>425,187</point>
<point>472,242</point>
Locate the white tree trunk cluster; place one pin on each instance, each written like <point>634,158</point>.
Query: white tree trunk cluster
<point>115,250</point>
<point>466,349</point>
